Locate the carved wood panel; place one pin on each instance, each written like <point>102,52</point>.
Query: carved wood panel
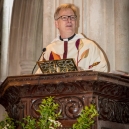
<point>20,95</point>
<point>70,107</point>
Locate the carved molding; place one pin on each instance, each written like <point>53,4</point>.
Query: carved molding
<point>113,110</point>
<point>111,89</point>
<point>69,106</point>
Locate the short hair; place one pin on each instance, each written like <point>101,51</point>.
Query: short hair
<point>63,7</point>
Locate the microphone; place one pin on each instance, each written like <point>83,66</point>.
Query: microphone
<point>43,50</point>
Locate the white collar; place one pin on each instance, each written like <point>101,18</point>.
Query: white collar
<point>77,36</point>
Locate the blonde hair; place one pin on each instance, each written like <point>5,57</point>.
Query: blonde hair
<point>63,7</point>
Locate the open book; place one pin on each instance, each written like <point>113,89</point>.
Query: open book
<point>57,66</point>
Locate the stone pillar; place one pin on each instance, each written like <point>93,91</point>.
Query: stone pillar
<point>29,35</point>
<point>49,30</point>
<point>7,11</point>
<point>25,36</point>
<point>122,35</point>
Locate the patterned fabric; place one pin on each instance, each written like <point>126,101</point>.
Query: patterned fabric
<point>54,56</point>
<point>85,52</point>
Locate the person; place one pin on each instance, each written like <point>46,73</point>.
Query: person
<point>68,44</point>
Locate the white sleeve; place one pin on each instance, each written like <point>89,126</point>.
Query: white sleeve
<point>98,56</point>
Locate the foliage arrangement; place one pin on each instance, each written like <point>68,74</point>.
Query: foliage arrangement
<point>8,123</point>
<point>48,118</point>
<point>86,119</point>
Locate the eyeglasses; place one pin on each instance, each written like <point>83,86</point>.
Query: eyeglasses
<point>65,17</point>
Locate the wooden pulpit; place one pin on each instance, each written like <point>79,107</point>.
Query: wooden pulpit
<point>21,96</point>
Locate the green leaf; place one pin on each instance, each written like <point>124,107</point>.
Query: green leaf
<point>86,118</point>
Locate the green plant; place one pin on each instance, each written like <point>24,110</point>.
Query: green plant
<point>28,123</point>
<point>8,123</point>
<point>86,118</point>
<point>48,117</point>
<point>48,114</point>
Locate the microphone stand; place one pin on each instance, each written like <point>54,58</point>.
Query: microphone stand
<point>44,49</point>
